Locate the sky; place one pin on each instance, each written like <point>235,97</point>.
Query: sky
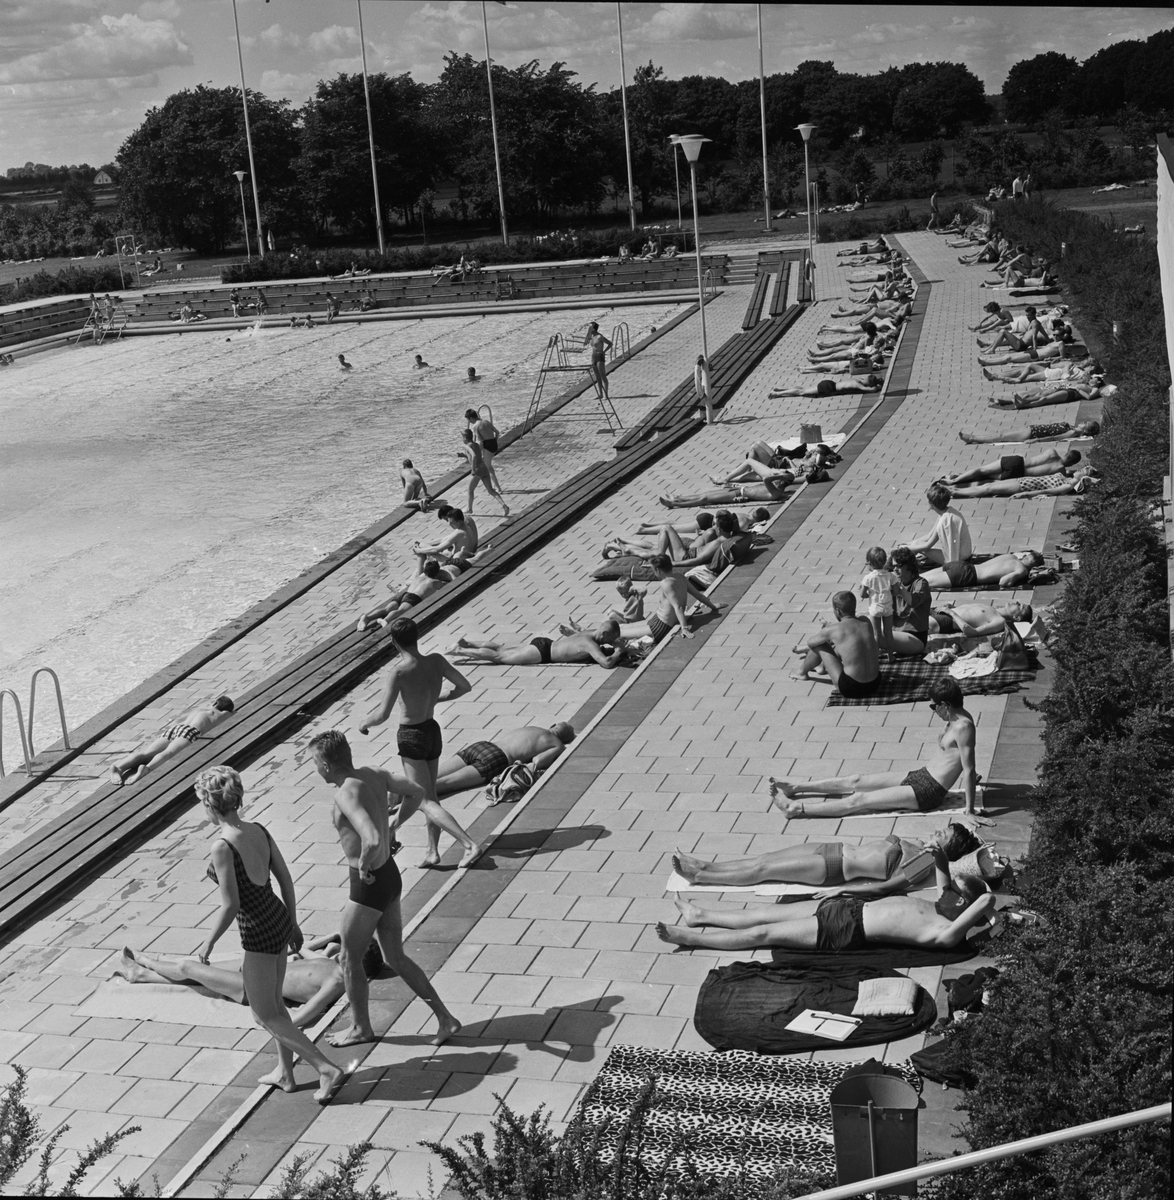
<point>77,76</point>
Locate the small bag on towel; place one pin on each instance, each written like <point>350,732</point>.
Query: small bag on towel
<point>512,784</point>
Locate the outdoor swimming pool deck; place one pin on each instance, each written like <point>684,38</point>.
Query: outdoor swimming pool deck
<point>549,956</point>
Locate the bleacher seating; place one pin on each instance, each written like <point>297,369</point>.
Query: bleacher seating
<point>32,323</point>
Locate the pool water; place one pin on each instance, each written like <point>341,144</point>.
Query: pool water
<point>152,489</point>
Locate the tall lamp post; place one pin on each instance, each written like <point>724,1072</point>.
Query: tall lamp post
<point>691,143</point>
<point>240,180</point>
<point>677,174</point>
<point>762,111</point>
<point>805,129</point>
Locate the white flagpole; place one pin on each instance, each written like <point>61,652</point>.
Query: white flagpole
<point>370,130</point>
<point>248,132</point>
<point>624,101</point>
<point>505,236</point>
<point>762,109</point>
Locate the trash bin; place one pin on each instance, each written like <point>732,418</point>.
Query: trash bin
<point>874,1125</point>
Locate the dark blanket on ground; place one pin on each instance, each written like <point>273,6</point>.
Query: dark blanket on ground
<point>878,958</point>
<point>747,1006</point>
<point>909,680</point>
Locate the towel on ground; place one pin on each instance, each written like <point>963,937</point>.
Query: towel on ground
<point>747,1006</point>
<point>877,957</point>
<point>678,883</point>
<point>909,680</point>
<point>172,1003</point>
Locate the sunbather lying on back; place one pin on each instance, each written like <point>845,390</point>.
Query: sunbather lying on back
<point>876,867</point>
<point>840,923</point>
<point>1052,352</point>
<point>1056,431</point>
<point>977,619</point>
<point>883,308</point>
<point>877,247</point>
<point>699,552</point>
<point>741,493</point>
<point>1064,482</point>
<point>1068,393</point>
<point>1016,466</point>
<point>873,363</point>
<point>1003,570</point>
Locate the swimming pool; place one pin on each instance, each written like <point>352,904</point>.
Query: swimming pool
<point>154,488</point>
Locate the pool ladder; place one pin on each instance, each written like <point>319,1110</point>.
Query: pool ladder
<point>26,732</point>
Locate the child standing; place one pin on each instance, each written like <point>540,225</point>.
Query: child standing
<point>877,587</point>
<point>633,598</point>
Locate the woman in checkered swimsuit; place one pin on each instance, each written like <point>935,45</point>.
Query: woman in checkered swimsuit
<point>268,927</point>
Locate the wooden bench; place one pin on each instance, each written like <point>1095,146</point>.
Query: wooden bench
<point>757,296</point>
<point>778,301</point>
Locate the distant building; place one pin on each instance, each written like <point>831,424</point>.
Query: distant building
<point>102,178</point>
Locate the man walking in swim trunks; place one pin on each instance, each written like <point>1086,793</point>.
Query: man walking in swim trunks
<point>362,798</point>
<point>921,790</point>
<point>1004,570</point>
<point>479,762</point>
<point>415,682</point>
<point>171,740</point>
<point>603,648</point>
<point>847,650</point>
<point>1017,466</point>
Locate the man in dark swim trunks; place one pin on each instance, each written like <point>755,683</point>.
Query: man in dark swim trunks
<point>476,764</point>
<point>602,647</point>
<point>847,650</point>
<point>1017,466</point>
<point>415,683</point>
<point>420,587</point>
<point>362,798</point>
<point>171,740</point>
<point>1004,570</point>
<point>977,620</point>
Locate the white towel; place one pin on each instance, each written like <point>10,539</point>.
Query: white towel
<point>678,883</point>
<point>173,1003</point>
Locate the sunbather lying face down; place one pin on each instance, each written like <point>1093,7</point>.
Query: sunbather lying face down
<point>875,867</point>
<point>856,386</point>
<point>842,923</point>
<point>602,648</point>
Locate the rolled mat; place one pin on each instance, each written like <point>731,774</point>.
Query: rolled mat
<point>746,1006</point>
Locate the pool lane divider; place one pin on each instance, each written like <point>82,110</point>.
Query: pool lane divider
<point>38,872</point>
<point>448,907</point>
<point>54,757</point>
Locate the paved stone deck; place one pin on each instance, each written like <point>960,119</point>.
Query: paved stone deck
<point>550,957</point>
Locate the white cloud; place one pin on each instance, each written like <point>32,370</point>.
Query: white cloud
<point>290,85</point>
<point>277,38</point>
<point>108,48</point>
<point>334,40</point>
<point>699,23</point>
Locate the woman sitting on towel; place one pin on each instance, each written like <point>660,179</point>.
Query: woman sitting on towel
<point>876,867</point>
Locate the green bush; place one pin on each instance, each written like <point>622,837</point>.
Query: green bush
<point>1078,1027</point>
<point>67,282</point>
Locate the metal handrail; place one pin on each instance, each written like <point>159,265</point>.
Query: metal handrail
<point>621,340</point>
<point>60,705</point>
<point>710,283</point>
<point>24,741</point>
<point>1159,1112</point>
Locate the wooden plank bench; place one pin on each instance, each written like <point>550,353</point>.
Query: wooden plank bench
<point>757,296</point>
<point>778,301</point>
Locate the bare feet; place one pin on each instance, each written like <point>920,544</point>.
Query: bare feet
<point>672,934</point>
<point>330,1083</point>
<point>690,913</point>
<point>778,786</point>
<point>278,1078</point>
<point>457,646</point>
<point>351,1036</point>
<point>447,1027</point>
<point>115,777</point>
<point>664,500</point>
<point>689,866</point>
<point>430,860</point>
<point>129,968</point>
<point>472,854</point>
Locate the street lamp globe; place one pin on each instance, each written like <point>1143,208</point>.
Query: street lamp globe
<point>805,129</point>
<point>240,177</point>
<point>691,143</point>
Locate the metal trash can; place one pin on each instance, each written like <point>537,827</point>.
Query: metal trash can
<point>874,1125</point>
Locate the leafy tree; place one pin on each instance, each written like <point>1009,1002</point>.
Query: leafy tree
<point>653,115</point>
<point>334,167</point>
<point>931,158</point>
<point>1135,127</point>
<point>936,100</point>
<point>177,166</point>
<point>1040,84</point>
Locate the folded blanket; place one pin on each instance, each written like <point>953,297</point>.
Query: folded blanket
<point>909,680</point>
<point>747,1006</point>
<point>878,957</point>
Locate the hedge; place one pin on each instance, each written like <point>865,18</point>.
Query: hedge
<point>552,247</point>
<point>1078,1024</point>
<point>66,282</point>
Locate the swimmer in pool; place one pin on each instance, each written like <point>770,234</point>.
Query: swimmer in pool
<point>472,376</point>
<point>343,365</point>
<point>420,363</point>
